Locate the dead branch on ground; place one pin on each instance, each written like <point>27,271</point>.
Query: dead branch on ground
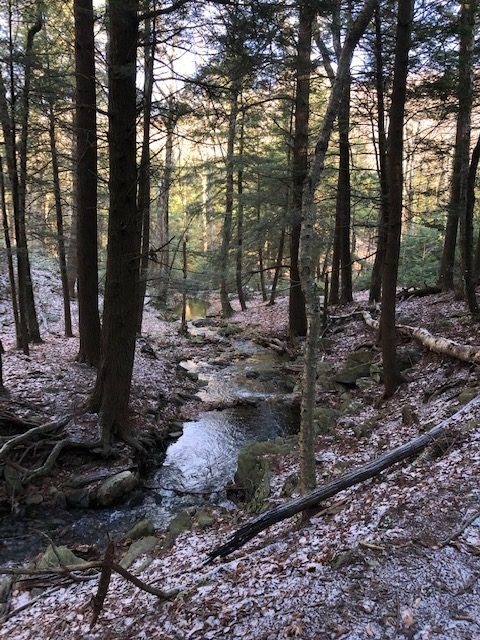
<point>345,481</point>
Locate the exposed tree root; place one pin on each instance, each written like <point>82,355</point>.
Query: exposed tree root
<point>444,346</point>
<point>345,481</point>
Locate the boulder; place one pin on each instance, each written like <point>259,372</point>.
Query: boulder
<point>55,558</point>
<point>137,549</point>
<point>357,366</point>
<point>204,519</point>
<point>140,529</point>
<point>116,488</point>
<point>181,523</point>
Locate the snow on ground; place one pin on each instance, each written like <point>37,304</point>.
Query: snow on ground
<point>373,565</point>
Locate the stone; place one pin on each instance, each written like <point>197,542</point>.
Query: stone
<point>253,475</point>
<point>138,548</point>
<point>79,498</point>
<point>324,419</point>
<point>468,394</point>
<point>33,499</point>
<point>140,529</point>
<point>116,488</point>
<point>181,523</point>
<point>204,519</point>
<point>357,366</point>
<point>61,556</point>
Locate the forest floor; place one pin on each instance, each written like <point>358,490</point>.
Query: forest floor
<point>390,558</point>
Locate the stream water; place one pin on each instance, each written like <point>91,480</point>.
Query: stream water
<point>198,465</point>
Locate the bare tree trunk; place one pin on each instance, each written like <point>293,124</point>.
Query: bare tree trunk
<point>59,222</point>
<point>164,205</point>
<point>296,305</point>
<point>465,98</point>
<point>239,256</point>
<point>227,310</point>
<point>25,282</point>
<point>472,175</point>
<point>86,180</point>
<point>11,271</point>
<point>112,389</point>
<point>462,145</point>
<point>376,279</point>
<point>144,169</point>
<point>278,266</point>
<point>343,197</point>
<point>10,146</point>
<point>395,196</point>
<point>309,250</point>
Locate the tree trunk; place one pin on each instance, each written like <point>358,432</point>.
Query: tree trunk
<point>239,256</point>
<point>376,279</point>
<point>112,390</point>
<point>86,177</point>
<point>164,206</point>
<point>25,282</point>
<point>309,249</point>
<point>343,195</point>
<point>11,271</point>
<point>144,169</point>
<point>395,196</point>
<point>346,480</point>
<point>296,305</point>
<point>59,222</point>
<point>227,310</point>
<point>465,98</point>
<point>462,145</point>
<point>472,176</point>
<point>8,129</point>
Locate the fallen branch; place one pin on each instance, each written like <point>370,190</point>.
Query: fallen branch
<point>413,292</point>
<point>345,481</point>
<point>444,346</point>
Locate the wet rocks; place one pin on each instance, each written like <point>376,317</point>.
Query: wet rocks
<point>116,488</point>
<point>357,366</point>
<point>141,529</point>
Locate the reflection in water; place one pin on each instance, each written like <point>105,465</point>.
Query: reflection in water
<point>196,308</point>
<point>204,459</point>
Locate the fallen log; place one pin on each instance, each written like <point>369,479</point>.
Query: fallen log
<point>345,481</point>
<point>414,292</point>
<point>444,346</point>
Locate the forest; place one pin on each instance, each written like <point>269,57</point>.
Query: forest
<point>239,319</point>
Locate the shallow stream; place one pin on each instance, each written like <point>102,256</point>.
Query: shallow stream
<point>198,465</point>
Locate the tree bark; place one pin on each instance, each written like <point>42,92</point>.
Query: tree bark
<point>239,256</point>
<point>462,144</point>
<point>11,270</point>
<point>465,97</point>
<point>227,309</point>
<point>25,281</point>
<point>59,223</point>
<point>395,196</point>
<point>86,182</point>
<point>351,478</point>
<point>144,169</point>
<point>112,389</point>
<point>376,279</point>
<point>296,304</point>
<point>309,249</point>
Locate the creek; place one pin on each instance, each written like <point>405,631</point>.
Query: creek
<point>199,463</point>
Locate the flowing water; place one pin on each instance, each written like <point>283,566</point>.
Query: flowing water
<point>197,466</point>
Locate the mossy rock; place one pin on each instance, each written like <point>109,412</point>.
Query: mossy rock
<point>228,330</point>
<point>468,394</point>
<point>61,556</point>
<point>181,523</point>
<point>357,366</point>
<point>138,548</point>
<point>252,478</point>
<point>140,529</point>
<point>204,519</point>
<point>324,419</point>
<point>405,358</point>
<point>325,375</point>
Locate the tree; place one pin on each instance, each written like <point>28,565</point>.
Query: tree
<point>297,318</point>
<point>456,209</point>
<point>86,184</point>
<point>309,250</point>
<point>110,397</point>
<point>395,195</point>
